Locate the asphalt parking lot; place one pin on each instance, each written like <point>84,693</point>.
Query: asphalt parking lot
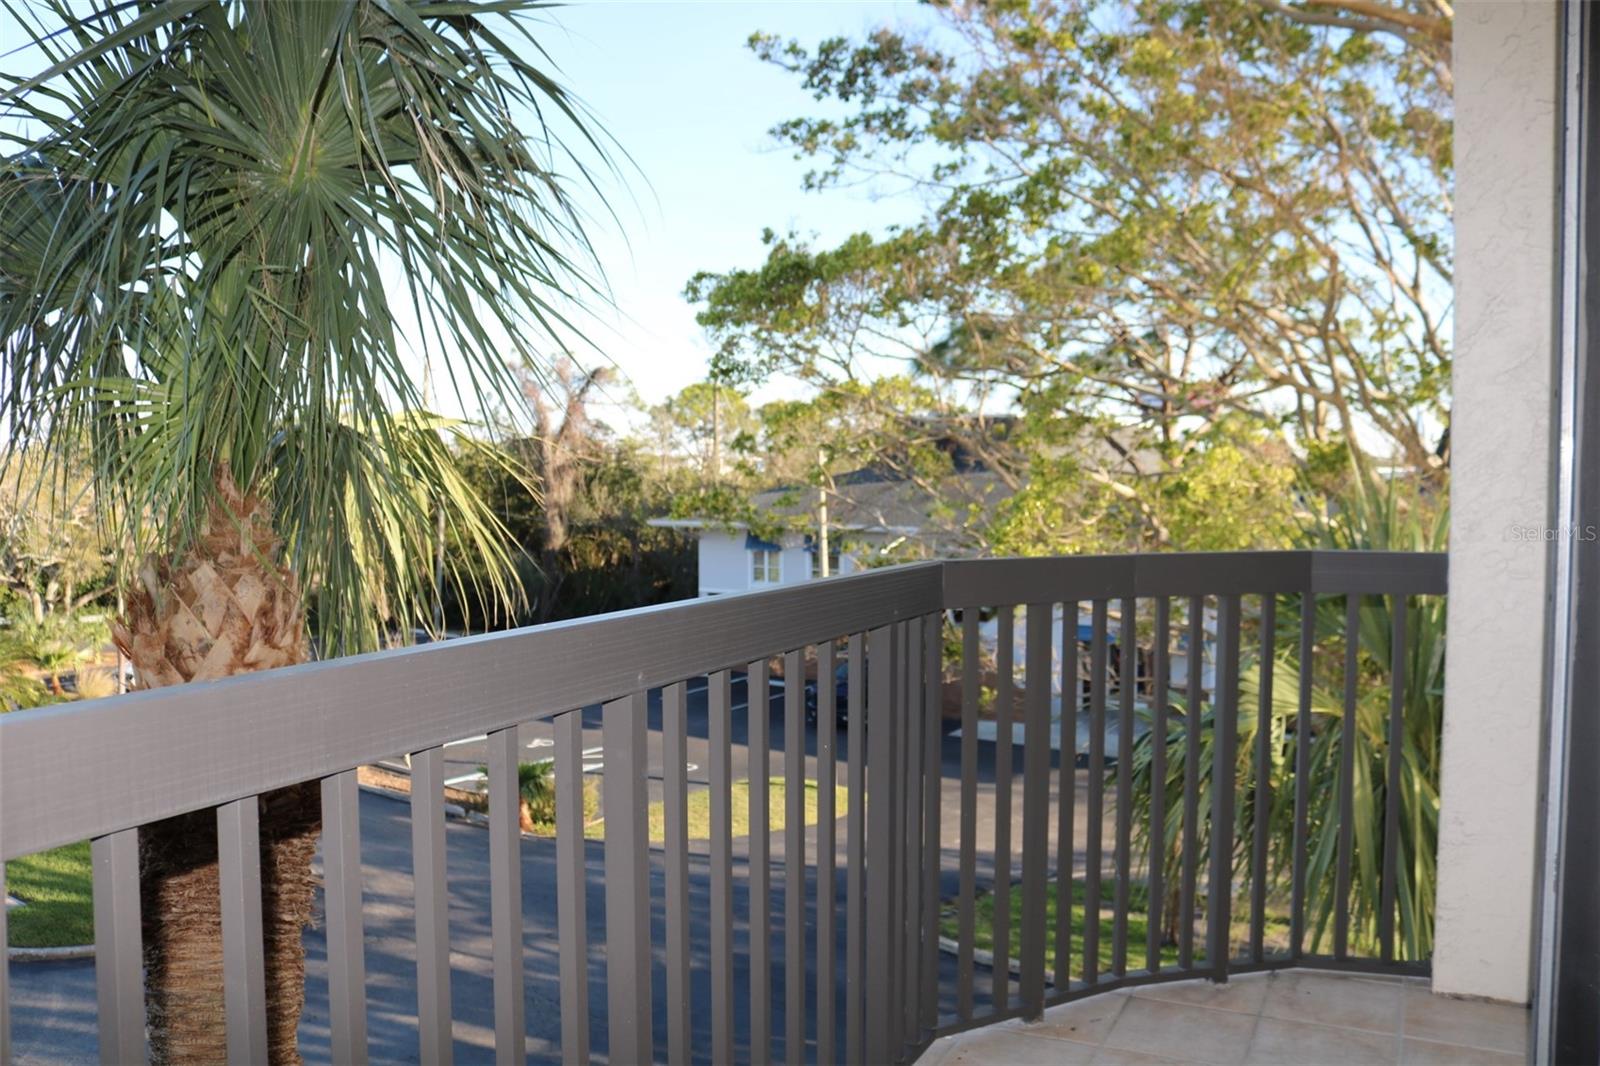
<point>54,1006</point>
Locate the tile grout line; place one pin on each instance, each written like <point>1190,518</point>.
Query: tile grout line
<point>1153,997</point>
<point>1249,1045</point>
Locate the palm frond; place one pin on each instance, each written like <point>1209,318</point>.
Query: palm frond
<point>238,230</point>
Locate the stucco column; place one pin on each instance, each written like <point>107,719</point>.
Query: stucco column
<point>1507,138</point>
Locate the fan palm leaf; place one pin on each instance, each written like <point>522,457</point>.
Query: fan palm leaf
<point>231,234</point>
<point>1372,519</point>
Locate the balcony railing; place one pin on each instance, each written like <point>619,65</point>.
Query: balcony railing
<point>853,969</point>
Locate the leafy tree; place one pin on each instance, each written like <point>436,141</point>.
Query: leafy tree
<point>1153,230</point>
<point>203,224</point>
<point>564,441</point>
<point>1396,517</point>
<point>709,421</point>
<point>54,556</point>
<point>576,501</point>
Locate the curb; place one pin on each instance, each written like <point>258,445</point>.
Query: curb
<point>451,810</point>
<point>63,954</point>
<point>980,957</point>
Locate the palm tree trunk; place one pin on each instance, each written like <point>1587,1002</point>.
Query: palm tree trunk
<point>226,606</point>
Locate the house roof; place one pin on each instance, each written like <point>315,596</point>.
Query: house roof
<point>870,500</point>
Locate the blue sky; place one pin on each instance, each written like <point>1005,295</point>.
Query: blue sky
<point>678,89</point>
<point>675,85</point>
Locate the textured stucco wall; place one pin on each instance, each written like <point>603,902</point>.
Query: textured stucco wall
<point>1507,140</point>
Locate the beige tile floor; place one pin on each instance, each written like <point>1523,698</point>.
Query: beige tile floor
<point>1289,1017</point>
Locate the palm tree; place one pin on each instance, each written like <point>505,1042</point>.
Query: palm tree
<point>1368,517</point>
<point>230,233</point>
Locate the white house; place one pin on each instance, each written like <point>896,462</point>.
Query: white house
<point>868,512</point>
<point>732,559</point>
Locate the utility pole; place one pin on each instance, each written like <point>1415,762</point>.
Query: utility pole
<point>822,515</point>
<point>716,431</point>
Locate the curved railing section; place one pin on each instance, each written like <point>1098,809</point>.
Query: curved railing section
<point>927,877</point>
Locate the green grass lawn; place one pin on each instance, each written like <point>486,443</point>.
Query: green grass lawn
<point>1276,926</point>
<point>699,813</point>
<point>57,888</point>
<point>983,926</point>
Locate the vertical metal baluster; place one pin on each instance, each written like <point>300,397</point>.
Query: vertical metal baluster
<point>932,801</point>
<point>759,708</point>
<point>855,852</point>
<point>878,1024</point>
<point>900,731</point>
<point>719,733</point>
<point>794,856</point>
<point>1302,776</point>
<point>1093,855</point>
<point>1263,783</point>
<point>432,906</point>
<point>1223,762</point>
<point>1349,734</point>
<point>1035,804</point>
<point>894,842</point>
<point>1195,657</point>
<point>572,885</point>
<point>341,876</point>
<point>1067,796</point>
<point>1127,681</point>
<point>1156,861</point>
<point>244,986</point>
<point>1005,695</point>
<point>118,951</point>
<point>675,816</point>
<point>5,979</point>
<point>910,884</point>
<point>1396,760</point>
<point>627,864</point>
<point>505,897</point>
<point>965,923</point>
<point>827,846</point>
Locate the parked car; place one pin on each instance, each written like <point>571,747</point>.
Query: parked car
<point>841,695</point>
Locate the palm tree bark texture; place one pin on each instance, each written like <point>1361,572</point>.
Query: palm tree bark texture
<point>226,606</point>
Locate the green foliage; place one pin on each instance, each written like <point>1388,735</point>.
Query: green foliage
<point>609,558</point>
<point>204,228</point>
<point>536,786</point>
<point>20,686</point>
<point>1181,245</point>
<point>707,422</point>
<point>1387,518</point>
<point>54,555</point>
<point>60,643</point>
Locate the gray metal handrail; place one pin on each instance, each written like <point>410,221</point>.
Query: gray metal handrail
<point>145,756</point>
<point>101,770</point>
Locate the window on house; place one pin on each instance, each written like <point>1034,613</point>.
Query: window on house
<point>833,561</point>
<point>765,567</point>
